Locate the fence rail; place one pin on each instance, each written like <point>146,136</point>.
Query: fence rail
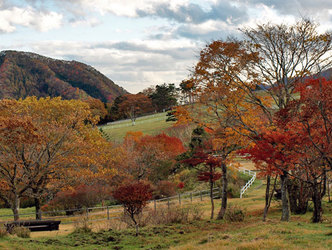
<point>103,213</point>
<point>250,182</point>
<point>119,125</point>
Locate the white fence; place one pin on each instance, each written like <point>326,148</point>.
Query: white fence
<point>250,182</point>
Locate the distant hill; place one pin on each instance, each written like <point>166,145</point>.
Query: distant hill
<point>25,74</point>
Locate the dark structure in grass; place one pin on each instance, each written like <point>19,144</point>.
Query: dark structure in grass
<point>34,225</point>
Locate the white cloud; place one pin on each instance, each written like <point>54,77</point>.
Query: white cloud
<point>28,17</point>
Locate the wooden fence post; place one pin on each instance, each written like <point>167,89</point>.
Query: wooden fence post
<point>200,193</point>
<point>191,197</point>
<point>179,199</point>
<point>108,213</point>
<point>168,203</point>
<point>155,205</point>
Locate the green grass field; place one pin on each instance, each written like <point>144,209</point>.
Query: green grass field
<point>150,125</point>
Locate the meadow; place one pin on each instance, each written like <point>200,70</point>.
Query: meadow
<point>149,125</point>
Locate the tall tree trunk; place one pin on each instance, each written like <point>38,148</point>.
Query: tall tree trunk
<point>222,210</point>
<point>16,207</point>
<point>317,200</point>
<point>38,209</point>
<point>328,189</point>
<point>211,197</point>
<point>284,197</point>
<point>268,195</point>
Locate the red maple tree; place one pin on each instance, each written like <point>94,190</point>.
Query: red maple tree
<point>134,197</point>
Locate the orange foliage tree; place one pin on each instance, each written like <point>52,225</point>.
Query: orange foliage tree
<point>46,143</point>
<point>97,107</point>
<point>151,157</point>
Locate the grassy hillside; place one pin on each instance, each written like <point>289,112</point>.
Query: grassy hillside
<point>204,233</point>
<point>150,125</point>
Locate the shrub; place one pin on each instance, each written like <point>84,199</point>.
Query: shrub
<point>21,232</point>
<point>234,214</point>
<point>82,225</point>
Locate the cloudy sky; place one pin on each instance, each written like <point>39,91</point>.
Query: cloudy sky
<point>139,43</point>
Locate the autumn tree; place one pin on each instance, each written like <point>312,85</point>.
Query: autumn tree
<point>61,133</point>
<point>16,134</point>
<point>287,54</point>
<point>207,165</point>
<point>221,106</point>
<point>97,107</point>
<point>312,121</point>
<point>135,105</point>
<point>300,145</point>
<point>134,198</point>
<point>152,157</point>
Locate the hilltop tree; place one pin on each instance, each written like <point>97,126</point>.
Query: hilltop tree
<point>164,96</point>
<point>187,88</point>
<point>134,105</point>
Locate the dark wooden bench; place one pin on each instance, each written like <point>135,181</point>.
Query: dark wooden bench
<point>34,225</point>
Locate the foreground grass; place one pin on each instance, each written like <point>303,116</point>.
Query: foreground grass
<point>201,234</point>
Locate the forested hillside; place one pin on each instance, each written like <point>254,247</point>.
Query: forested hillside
<point>25,74</point>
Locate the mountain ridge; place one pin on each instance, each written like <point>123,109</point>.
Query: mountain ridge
<point>25,74</point>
